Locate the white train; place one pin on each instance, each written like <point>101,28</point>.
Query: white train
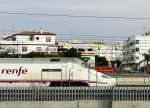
<point>50,72</point>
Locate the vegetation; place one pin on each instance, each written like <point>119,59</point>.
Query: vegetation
<point>62,49</point>
<point>100,61</point>
<point>71,53</point>
<point>116,63</point>
<point>86,59</point>
<point>147,59</point>
<point>35,54</point>
<point>142,69</point>
<point>63,52</point>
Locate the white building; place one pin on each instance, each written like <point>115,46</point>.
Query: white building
<point>26,42</point>
<point>134,49</point>
<point>111,51</point>
<point>87,49</point>
<point>80,46</point>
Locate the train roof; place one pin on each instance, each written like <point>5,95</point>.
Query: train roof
<point>41,60</point>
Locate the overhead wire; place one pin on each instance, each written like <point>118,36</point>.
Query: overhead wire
<point>74,16</point>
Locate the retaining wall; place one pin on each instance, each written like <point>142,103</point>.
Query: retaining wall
<point>56,104</point>
<point>130,104</point>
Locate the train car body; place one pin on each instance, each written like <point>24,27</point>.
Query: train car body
<point>50,72</point>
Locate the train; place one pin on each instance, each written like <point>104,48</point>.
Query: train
<point>50,72</point>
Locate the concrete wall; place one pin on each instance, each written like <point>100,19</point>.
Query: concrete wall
<point>130,104</point>
<point>55,104</point>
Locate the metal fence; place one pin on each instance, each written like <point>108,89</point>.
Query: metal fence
<point>54,93</point>
<point>131,93</point>
<point>74,93</point>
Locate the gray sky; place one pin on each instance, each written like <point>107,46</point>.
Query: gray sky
<point>108,28</point>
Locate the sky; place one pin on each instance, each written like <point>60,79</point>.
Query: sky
<point>79,27</point>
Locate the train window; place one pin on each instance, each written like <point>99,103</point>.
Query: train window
<point>54,60</point>
<point>105,76</point>
<point>85,65</point>
<point>51,70</point>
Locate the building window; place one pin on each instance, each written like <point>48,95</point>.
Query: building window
<point>137,41</point>
<point>38,49</point>
<point>14,39</point>
<point>133,50</point>
<point>37,38</point>
<point>137,49</point>
<point>24,49</point>
<point>31,38</point>
<point>48,39</point>
<point>81,49</point>
<point>51,70</point>
<point>90,49</point>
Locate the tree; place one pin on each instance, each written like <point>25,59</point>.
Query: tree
<point>71,53</point>
<point>116,63</point>
<point>147,59</point>
<point>62,49</point>
<point>100,61</point>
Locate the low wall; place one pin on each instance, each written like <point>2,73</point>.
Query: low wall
<point>56,104</point>
<point>130,104</point>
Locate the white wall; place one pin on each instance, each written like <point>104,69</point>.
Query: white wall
<point>15,47</point>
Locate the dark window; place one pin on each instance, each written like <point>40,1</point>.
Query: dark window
<point>90,49</point>
<point>137,49</point>
<point>137,41</point>
<point>54,60</point>
<point>14,38</point>
<point>48,39</point>
<point>133,50</point>
<point>31,38</point>
<point>81,49</point>
<point>37,38</point>
<point>51,70</point>
<point>105,76</point>
<point>24,49</point>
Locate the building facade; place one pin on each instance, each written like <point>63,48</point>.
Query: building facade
<point>111,51</point>
<point>134,50</point>
<point>26,42</point>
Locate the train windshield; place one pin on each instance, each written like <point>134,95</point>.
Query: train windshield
<point>86,65</point>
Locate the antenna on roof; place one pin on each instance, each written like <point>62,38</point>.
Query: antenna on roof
<point>41,30</point>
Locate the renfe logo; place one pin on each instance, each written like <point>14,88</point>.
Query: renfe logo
<point>17,72</point>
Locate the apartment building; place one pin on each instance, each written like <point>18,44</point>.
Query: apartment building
<point>29,41</point>
<point>134,49</point>
<point>111,51</point>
